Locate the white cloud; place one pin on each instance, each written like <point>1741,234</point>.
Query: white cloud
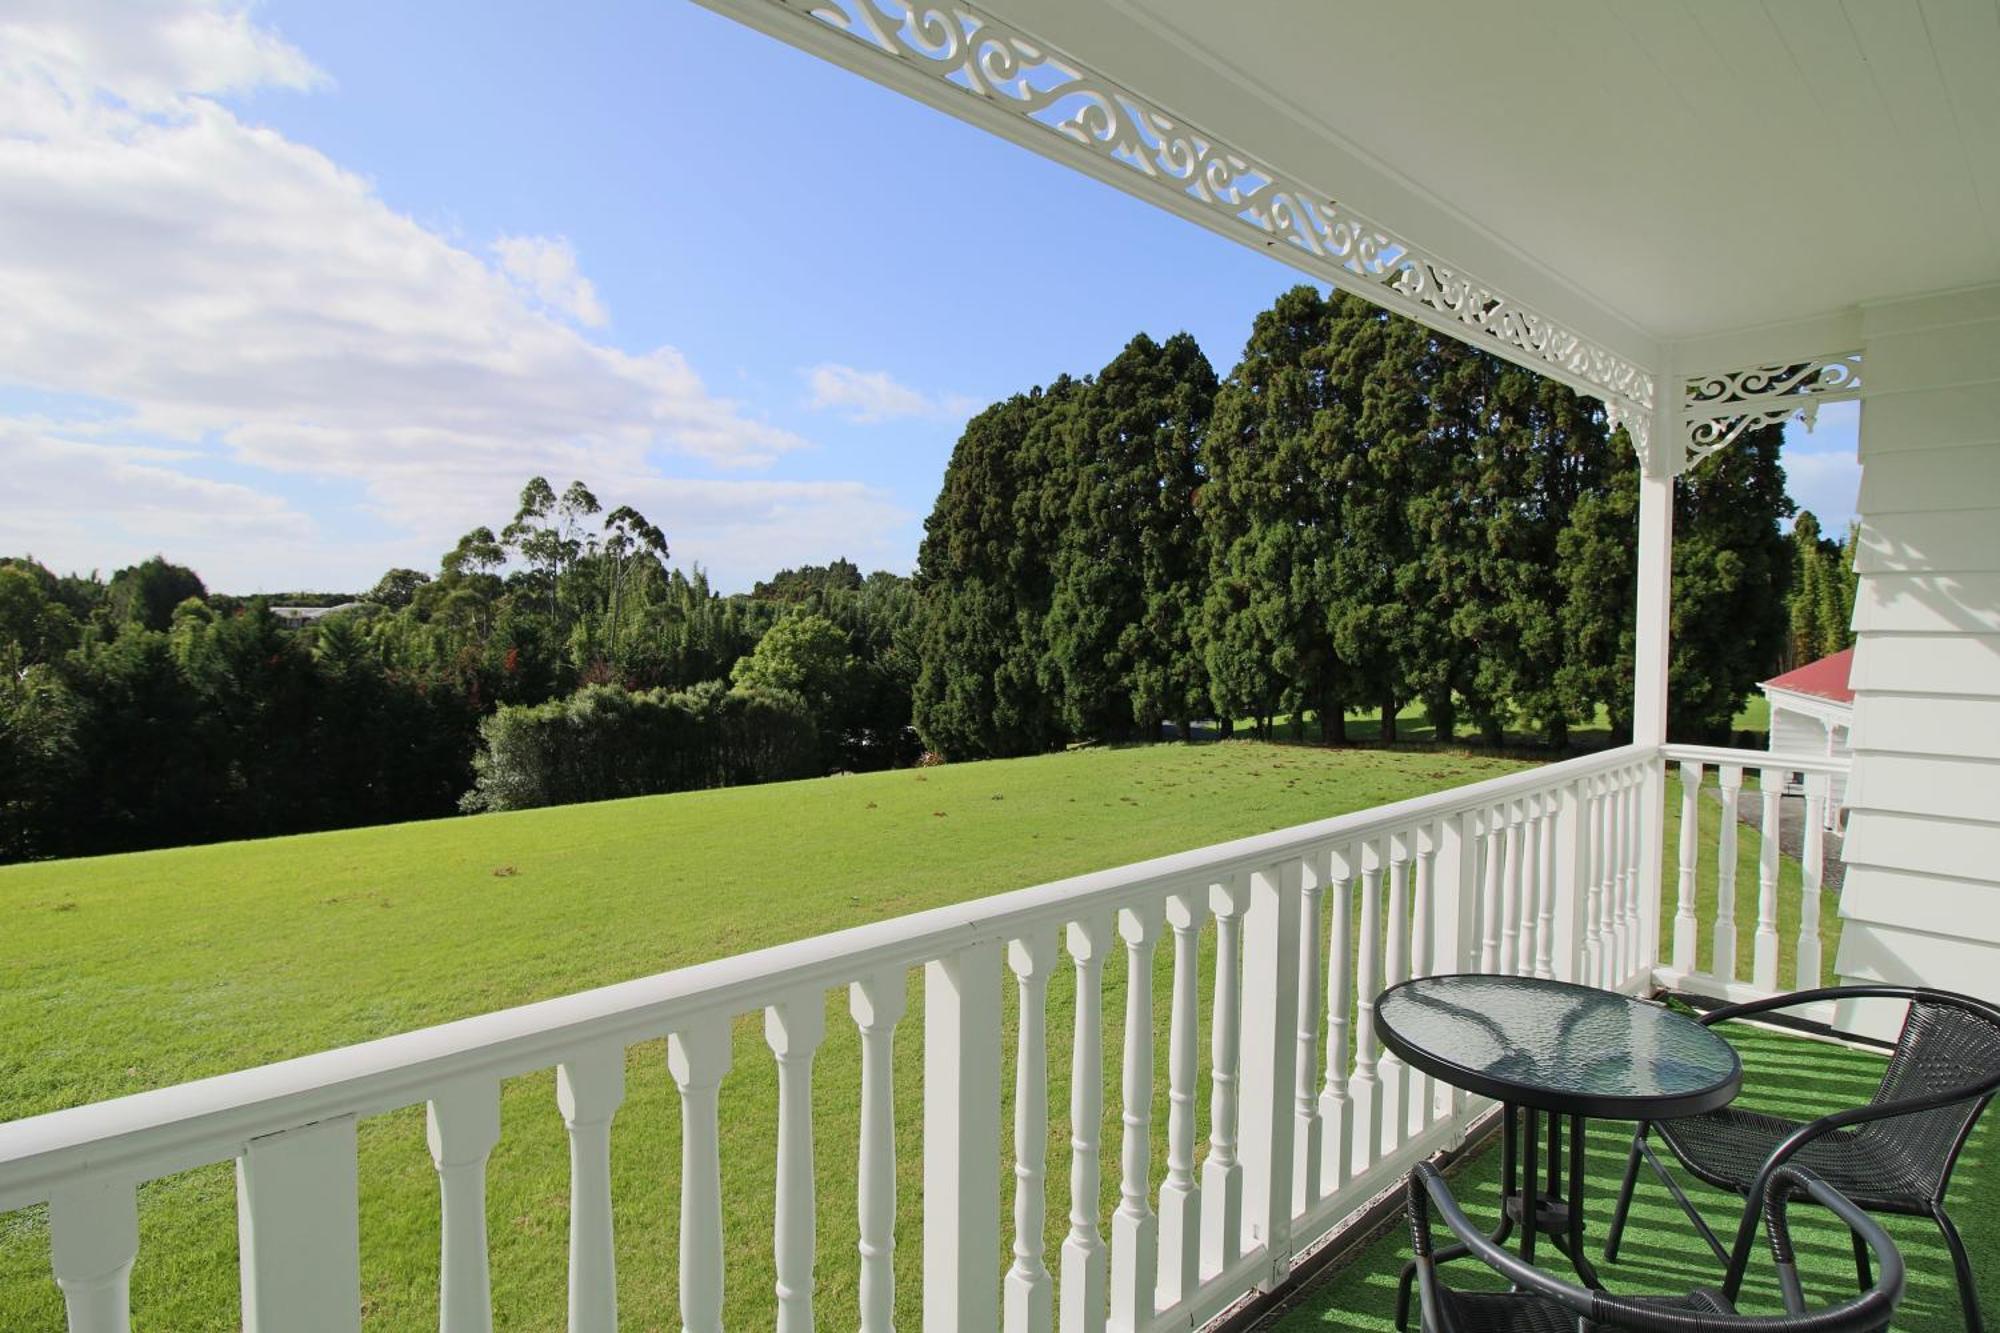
<point>242,296</point>
<point>150,57</point>
<point>80,504</point>
<point>545,266</point>
<point>870,396</point>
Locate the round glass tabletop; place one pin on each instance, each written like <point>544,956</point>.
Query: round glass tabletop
<point>1556,1046</point>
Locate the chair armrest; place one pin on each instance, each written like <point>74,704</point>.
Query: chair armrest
<point>1804,997</point>
<point>1860,1115</point>
<point>1791,1181</point>
<point>1871,1309</point>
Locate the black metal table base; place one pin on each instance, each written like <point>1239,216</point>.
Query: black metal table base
<point>1538,1202</point>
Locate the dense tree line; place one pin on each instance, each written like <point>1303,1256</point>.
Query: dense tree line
<point>1363,515</point>
<point>146,710</point>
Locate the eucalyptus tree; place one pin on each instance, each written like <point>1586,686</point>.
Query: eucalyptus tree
<point>548,533</point>
<point>630,541</point>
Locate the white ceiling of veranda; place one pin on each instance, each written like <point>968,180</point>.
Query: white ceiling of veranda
<point>1668,169</point>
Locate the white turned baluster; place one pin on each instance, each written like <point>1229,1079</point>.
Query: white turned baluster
<point>877,1003</point>
<point>590,1087</point>
<point>1813,875</point>
<point>1510,889</point>
<point>1336,1110</point>
<point>1180,1195</point>
<point>698,1057</point>
<point>93,1239</point>
<point>1270,1000</point>
<point>1731,778</point>
<point>1594,967</point>
<point>1135,1232</point>
<point>1492,863</point>
<point>1621,882</point>
<point>962,1141</point>
<point>1686,925</point>
<point>1308,1131</point>
<point>794,1027</point>
<point>299,1231</point>
<point>1635,842</point>
<point>1222,1173</point>
<point>1545,933</point>
<point>462,1125</point>
<point>1083,1264</point>
<point>1366,1089</point>
<point>1531,883</point>
<point>1614,880</point>
<point>1028,1296</point>
<point>1764,947</point>
<point>1395,1075</point>
<point>1422,963</point>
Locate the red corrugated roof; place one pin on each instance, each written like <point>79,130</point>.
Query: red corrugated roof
<point>1826,678</point>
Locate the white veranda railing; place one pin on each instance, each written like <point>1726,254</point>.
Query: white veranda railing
<point>1700,930</point>
<point>1539,873</point>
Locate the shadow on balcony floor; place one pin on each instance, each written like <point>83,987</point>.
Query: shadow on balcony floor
<point>1793,1076</point>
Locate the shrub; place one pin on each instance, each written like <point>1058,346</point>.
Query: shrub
<point>602,743</point>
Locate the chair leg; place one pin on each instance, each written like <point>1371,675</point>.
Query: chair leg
<point>1863,1272</point>
<point>1625,1194</point>
<point>1968,1291</point>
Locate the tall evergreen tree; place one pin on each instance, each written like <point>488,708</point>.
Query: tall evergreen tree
<point>1127,572</point>
<point>1270,521</point>
<point>983,582</point>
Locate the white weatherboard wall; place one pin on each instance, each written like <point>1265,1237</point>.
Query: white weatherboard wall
<point>1922,895</point>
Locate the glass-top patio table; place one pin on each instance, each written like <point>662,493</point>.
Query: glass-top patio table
<point>1553,1048</point>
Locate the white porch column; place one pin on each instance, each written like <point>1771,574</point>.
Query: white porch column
<point>1653,617</point>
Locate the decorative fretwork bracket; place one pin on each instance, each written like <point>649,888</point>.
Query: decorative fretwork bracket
<point>958,58</point>
<point>1717,409</point>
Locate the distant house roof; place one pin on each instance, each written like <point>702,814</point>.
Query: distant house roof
<point>1824,679</point>
<point>310,612</point>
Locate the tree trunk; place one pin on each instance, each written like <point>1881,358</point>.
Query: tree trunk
<point>1185,727</point>
<point>1333,723</point>
<point>1389,721</point>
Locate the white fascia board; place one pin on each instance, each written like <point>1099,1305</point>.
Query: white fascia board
<point>1825,710</point>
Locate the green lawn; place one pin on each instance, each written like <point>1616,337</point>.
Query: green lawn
<point>1787,1075</point>
<point>124,973</point>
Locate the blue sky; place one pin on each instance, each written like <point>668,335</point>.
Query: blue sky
<point>313,287</point>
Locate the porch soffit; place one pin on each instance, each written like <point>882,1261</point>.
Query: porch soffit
<point>1575,187</point>
<point>1694,167</point>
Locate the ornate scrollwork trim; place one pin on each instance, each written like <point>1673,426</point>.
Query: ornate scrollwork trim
<point>1719,408</point>
<point>1135,142</point>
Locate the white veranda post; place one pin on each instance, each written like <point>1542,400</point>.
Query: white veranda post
<point>1659,442</point>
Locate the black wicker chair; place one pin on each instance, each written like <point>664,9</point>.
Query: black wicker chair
<point>1894,1155</point>
<point>1541,1303</point>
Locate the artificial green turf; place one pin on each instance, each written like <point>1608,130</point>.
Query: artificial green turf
<point>1785,1074</point>
<point>124,973</point>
